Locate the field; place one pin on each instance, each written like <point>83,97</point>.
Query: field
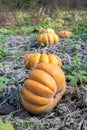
<point>20,38</point>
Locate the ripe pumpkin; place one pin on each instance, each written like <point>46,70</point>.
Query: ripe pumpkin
<point>6,23</point>
<point>41,29</point>
<point>44,88</point>
<point>48,38</point>
<point>60,21</point>
<point>64,34</point>
<point>33,59</point>
<point>49,30</point>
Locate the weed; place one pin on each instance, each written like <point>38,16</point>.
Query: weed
<point>75,47</point>
<point>75,74</point>
<point>2,39</point>
<point>26,19</point>
<point>4,54</point>
<point>29,125</point>
<point>3,81</point>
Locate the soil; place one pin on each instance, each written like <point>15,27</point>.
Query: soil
<point>69,114</point>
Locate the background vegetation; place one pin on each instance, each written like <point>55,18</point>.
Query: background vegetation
<point>79,4</point>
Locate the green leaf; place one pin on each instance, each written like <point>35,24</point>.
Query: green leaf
<point>4,53</point>
<point>76,59</point>
<point>42,44</point>
<point>1,58</point>
<point>77,17</point>
<point>68,68</point>
<point>7,126</point>
<point>75,37</point>
<point>76,47</point>
<point>83,72</point>
<point>3,81</point>
<point>31,28</point>
<point>2,39</point>
<point>66,17</point>
<point>69,77</point>
<point>78,62</point>
<point>38,27</point>
<point>84,79</point>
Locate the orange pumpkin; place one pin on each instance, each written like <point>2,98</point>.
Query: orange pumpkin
<point>44,88</point>
<point>60,21</point>
<point>33,59</point>
<point>7,23</point>
<point>64,34</point>
<point>48,38</point>
<point>41,29</point>
<point>49,30</point>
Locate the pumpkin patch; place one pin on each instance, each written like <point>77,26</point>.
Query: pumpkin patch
<point>43,65</point>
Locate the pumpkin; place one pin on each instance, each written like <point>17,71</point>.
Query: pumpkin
<point>49,30</point>
<point>41,29</point>
<point>33,59</point>
<point>61,21</point>
<point>44,88</point>
<point>6,23</point>
<point>64,34</point>
<point>48,38</point>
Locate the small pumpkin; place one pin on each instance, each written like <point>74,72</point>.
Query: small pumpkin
<point>64,34</point>
<point>6,23</point>
<point>48,38</point>
<point>60,21</point>
<point>44,88</point>
<point>33,59</point>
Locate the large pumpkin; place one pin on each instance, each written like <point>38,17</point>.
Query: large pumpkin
<point>44,88</point>
<point>64,34</point>
<point>35,58</point>
<point>48,38</point>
